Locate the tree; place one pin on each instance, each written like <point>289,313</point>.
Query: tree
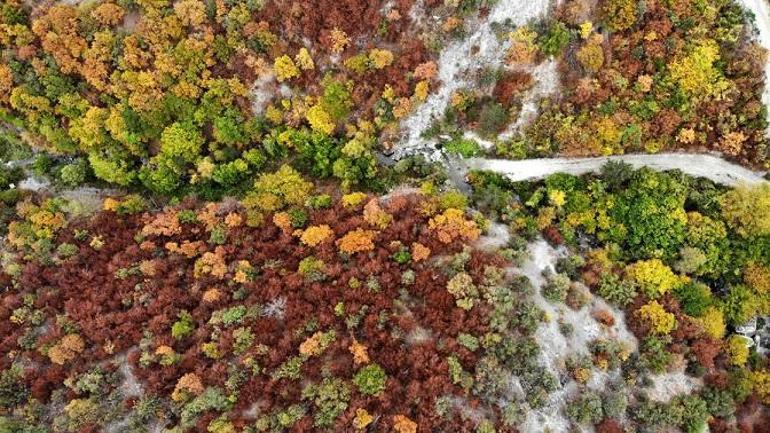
<point>556,287</point>
<point>747,209</point>
<point>648,218</point>
<point>452,225</point>
<point>274,191</point>
<point>713,323</point>
<point>370,379</point>
<point>616,290</point>
<point>586,409</point>
<point>66,349</point>
<point>696,73</point>
<point>188,385</point>
<point>314,235</point>
<point>181,143</point>
<point>74,174</point>
<point>740,305</point>
<point>330,398</point>
<point>402,424</point>
<point>356,241</point>
<point>553,41</point>
<point>591,55</point>
<point>320,120</point>
<point>738,350</point>
<point>285,69</point>
<point>695,298</point>
<point>761,382</point>
<point>619,14</point>
<point>657,318</point>
<point>190,12</point>
<point>653,277</point>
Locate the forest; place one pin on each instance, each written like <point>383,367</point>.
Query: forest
<point>235,216</point>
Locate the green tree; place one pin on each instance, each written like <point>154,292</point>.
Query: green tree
<point>747,209</point>
<point>112,166</point>
<point>181,143</point>
<point>370,380</point>
<point>555,39</point>
<point>648,219</point>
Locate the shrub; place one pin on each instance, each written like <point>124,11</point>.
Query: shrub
<point>74,174</point>
<point>614,405</point>
<point>556,287</point>
<point>464,147</point>
<point>616,290</point>
<point>586,409</point>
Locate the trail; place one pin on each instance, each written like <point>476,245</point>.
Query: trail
<point>698,165</point>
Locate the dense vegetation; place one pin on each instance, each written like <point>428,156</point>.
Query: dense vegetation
<point>686,259</point>
<point>197,96</point>
<point>635,77</point>
<point>383,315</point>
<point>235,283</point>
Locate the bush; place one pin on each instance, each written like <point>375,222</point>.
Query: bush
<point>556,287</point>
<point>616,290</point>
<point>586,409</point>
<point>463,147</point>
<point>492,119</point>
<point>74,174</point>
<point>614,405</point>
<point>654,355</point>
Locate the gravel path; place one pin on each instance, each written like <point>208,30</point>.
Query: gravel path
<point>698,165</point>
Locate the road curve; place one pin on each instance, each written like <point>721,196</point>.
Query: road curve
<point>698,165</point>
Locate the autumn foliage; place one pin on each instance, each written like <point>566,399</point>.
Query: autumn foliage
<point>187,307</point>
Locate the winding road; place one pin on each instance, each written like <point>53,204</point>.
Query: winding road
<point>698,165</point>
